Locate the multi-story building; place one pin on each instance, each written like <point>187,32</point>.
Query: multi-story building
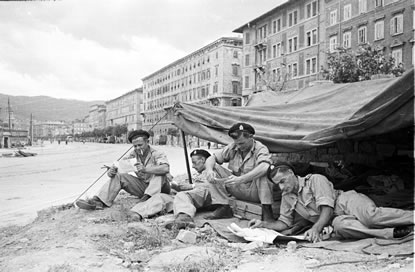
<point>50,129</point>
<point>126,109</point>
<point>80,126</point>
<point>210,75</point>
<point>386,24</point>
<point>282,48</point>
<point>97,118</point>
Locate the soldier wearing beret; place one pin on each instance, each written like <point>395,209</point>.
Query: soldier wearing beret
<point>248,160</point>
<point>151,175</point>
<point>351,214</point>
<point>190,197</point>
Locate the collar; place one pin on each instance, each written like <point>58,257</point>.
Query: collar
<point>252,150</point>
<point>301,183</point>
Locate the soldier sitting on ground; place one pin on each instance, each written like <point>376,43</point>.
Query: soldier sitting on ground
<point>151,175</point>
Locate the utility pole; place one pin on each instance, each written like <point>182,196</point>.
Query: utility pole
<point>9,110</point>
<point>31,129</point>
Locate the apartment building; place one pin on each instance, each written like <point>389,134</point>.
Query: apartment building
<point>126,109</point>
<point>97,116</point>
<point>210,75</point>
<point>282,48</point>
<point>80,126</point>
<point>386,24</point>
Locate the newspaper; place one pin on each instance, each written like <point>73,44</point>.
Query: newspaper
<point>126,166</point>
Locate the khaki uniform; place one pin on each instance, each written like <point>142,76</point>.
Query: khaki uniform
<point>258,190</point>
<point>204,194</point>
<point>151,184</point>
<point>355,215</point>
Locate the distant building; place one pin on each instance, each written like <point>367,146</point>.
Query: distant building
<point>286,47</point>
<point>50,129</point>
<point>282,48</point>
<point>80,126</point>
<point>97,117</point>
<point>210,75</point>
<point>125,109</point>
<point>386,24</point>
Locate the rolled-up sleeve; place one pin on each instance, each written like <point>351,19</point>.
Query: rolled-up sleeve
<point>160,158</point>
<point>224,154</point>
<point>263,155</point>
<point>323,190</point>
<point>287,210</point>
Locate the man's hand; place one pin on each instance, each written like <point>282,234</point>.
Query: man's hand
<point>234,180</point>
<point>313,235</point>
<point>112,171</point>
<point>256,223</point>
<point>140,167</point>
<point>210,176</point>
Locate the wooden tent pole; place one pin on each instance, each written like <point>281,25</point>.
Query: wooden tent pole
<point>187,157</point>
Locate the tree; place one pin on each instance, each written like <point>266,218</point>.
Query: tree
<point>269,79</point>
<point>346,66</point>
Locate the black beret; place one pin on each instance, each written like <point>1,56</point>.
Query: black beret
<point>200,152</point>
<point>244,127</point>
<point>272,169</point>
<point>137,133</point>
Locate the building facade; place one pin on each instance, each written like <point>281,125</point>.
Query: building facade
<point>210,75</point>
<point>386,24</point>
<point>282,48</point>
<point>126,109</point>
<point>80,126</point>
<point>97,117</point>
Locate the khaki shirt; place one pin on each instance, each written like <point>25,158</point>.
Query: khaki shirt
<point>259,153</point>
<point>314,191</point>
<point>153,158</point>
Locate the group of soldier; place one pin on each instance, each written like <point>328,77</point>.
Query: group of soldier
<point>250,176</point>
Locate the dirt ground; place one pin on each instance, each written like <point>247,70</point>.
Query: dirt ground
<point>64,238</point>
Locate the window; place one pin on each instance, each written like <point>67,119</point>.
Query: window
<point>279,50</point>
<point>262,32</point>
<point>396,24</point>
<point>346,39</point>
<point>347,12</point>
<point>311,66</point>
<point>294,71</point>
<point>292,44</point>
<point>274,51</point>
<point>362,35</point>
<point>246,81</point>
<point>333,44</point>
<point>397,56</point>
<point>292,18</point>
<point>235,70</point>
<point>333,17</point>
<point>362,6</point>
<point>247,60</point>
<point>235,54</point>
<point>247,38</point>
<point>311,9</point>
<point>278,25</point>
<point>215,88</point>
<point>278,74</point>
<point>216,70</point>
<point>289,71</point>
<point>274,27</point>
<point>235,87</point>
<point>378,3</point>
<point>379,30</point>
<point>311,37</point>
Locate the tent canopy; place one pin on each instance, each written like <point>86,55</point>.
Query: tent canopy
<point>314,116</point>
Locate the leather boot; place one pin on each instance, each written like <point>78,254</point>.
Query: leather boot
<point>144,198</point>
<point>224,211</point>
<point>267,214</point>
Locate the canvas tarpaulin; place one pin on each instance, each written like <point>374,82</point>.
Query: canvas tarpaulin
<point>314,116</point>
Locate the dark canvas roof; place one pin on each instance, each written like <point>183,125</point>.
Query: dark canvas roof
<point>315,116</point>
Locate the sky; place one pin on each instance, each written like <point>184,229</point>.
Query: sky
<point>100,49</point>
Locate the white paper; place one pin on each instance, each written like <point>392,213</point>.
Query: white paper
<point>126,166</point>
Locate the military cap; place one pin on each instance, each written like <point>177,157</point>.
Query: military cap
<point>137,133</point>
<point>200,152</point>
<point>243,127</point>
<point>273,168</point>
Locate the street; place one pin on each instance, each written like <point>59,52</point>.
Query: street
<point>58,175</point>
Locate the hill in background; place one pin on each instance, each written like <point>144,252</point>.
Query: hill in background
<point>45,108</point>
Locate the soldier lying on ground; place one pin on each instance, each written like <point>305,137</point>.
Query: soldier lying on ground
<point>351,214</point>
<point>190,197</point>
<point>151,175</point>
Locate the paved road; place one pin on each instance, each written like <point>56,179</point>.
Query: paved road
<point>57,175</point>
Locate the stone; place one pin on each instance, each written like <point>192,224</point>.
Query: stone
<point>140,256</point>
<point>24,240</point>
<point>187,237</point>
<point>128,245</point>
<point>253,245</point>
